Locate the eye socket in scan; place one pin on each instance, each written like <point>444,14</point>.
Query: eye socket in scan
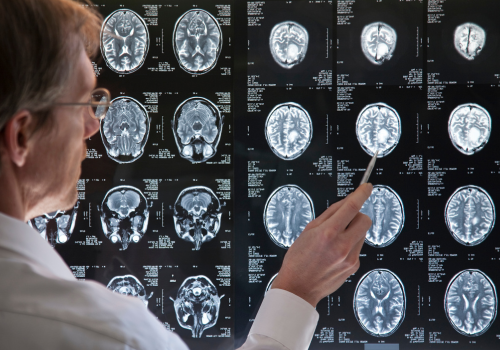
<point>469,128</point>
<point>378,42</point>
<point>129,285</point>
<point>288,43</point>
<point>469,39</point>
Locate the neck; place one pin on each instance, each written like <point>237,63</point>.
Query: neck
<point>11,202</point>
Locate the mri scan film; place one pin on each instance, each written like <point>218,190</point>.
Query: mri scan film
<point>469,40</point>
<point>469,128</point>
<point>56,227</point>
<point>288,43</point>
<point>270,283</point>
<point>129,285</point>
<point>378,42</point>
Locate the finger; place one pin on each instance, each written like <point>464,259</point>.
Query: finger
<point>347,240</point>
<point>325,215</point>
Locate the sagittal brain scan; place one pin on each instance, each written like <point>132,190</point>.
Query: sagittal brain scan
<point>197,127</point>
<point>197,304</point>
<point>385,209</point>
<point>125,130</point>
<point>288,130</point>
<point>469,40</point>
<point>378,128</point>
<point>124,41</point>
<point>124,215</point>
<point>270,283</point>
<point>471,302</point>
<point>469,128</point>
<point>197,215</point>
<point>197,41</point>
<point>288,43</point>
<point>287,212</point>
<point>56,227</point>
<point>129,285</point>
<point>378,42</point>
<point>470,215</point>
<point>380,302</point>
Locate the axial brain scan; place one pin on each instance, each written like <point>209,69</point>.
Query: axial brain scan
<point>471,302</point>
<point>124,215</point>
<point>288,43</point>
<point>385,209</point>
<point>378,42</point>
<point>197,41</point>
<point>125,130</point>
<point>380,302</point>
<point>197,127</point>
<point>56,227</point>
<point>197,304</point>
<point>470,215</point>
<point>469,128</point>
<point>197,215</point>
<point>288,130</point>
<point>378,128</point>
<point>124,41</point>
<point>129,285</point>
<point>469,40</point>
<point>287,212</point>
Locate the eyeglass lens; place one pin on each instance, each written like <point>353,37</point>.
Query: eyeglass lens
<point>99,103</point>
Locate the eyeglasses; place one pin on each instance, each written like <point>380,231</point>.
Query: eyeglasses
<point>99,103</point>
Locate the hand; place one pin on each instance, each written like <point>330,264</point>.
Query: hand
<point>327,251</point>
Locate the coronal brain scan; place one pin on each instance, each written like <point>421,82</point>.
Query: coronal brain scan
<point>56,227</point>
<point>288,43</point>
<point>124,215</point>
<point>469,128</point>
<point>471,302</point>
<point>197,304</point>
<point>378,128</point>
<point>378,42</point>
<point>129,285</point>
<point>287,212</point>
<point>197,215</point>
<point>470,215</point>
<point>124,41</point>
<point>125,130</point>
<point>197,41</point>
<point>469,40</point>
<point>197,127</point>
<point>380,302</point>
<point>288,130</point>
<point>385,209</point>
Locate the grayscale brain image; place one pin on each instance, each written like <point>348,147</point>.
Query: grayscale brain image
<point>124,215</point>
<point>197,304</point>
<point>378,128</point>
<point>385,209</point>
<point>129,285</point>
<point>380,302</point>
<point>288,43</point>
<point>197,41</point>
<point>197,127</point>
<point>56,227</point>
<point>288,130</point>
<point>124,41</point>
<point>469,128</point>
<point>470,215</point>
<point>469,40</point>
<point>125,130</point>
<point>471,302</point>
<point>197,215</point>
<point>378,42</point>
<point>287,212</point>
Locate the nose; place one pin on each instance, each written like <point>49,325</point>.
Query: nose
<point>91,125</point>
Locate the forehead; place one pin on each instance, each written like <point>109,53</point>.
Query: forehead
<point>82,80</point>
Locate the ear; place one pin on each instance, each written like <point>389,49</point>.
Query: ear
<point>16,135</point>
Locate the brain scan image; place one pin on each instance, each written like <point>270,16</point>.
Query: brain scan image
<point>270,283</point>
<point>378,128</point>
<point>471,302</point>
<point>288,43</point>
<point>124,41</point>
<point>197,215</point>
<point>469,40</point>
<point>469,128</point>
<point>287,212</point>
<point>470,215</point>
<point>380,302</point>
<point>385,209</point>
<point>125,130</point>
<point>288,130</point>
<point>197,128</point>
<point>197,41</point>
<point>56,227</point>
<point>129,285</point>
<point>124,215</point>
<point>197,304</point>
<point>378,42</point>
